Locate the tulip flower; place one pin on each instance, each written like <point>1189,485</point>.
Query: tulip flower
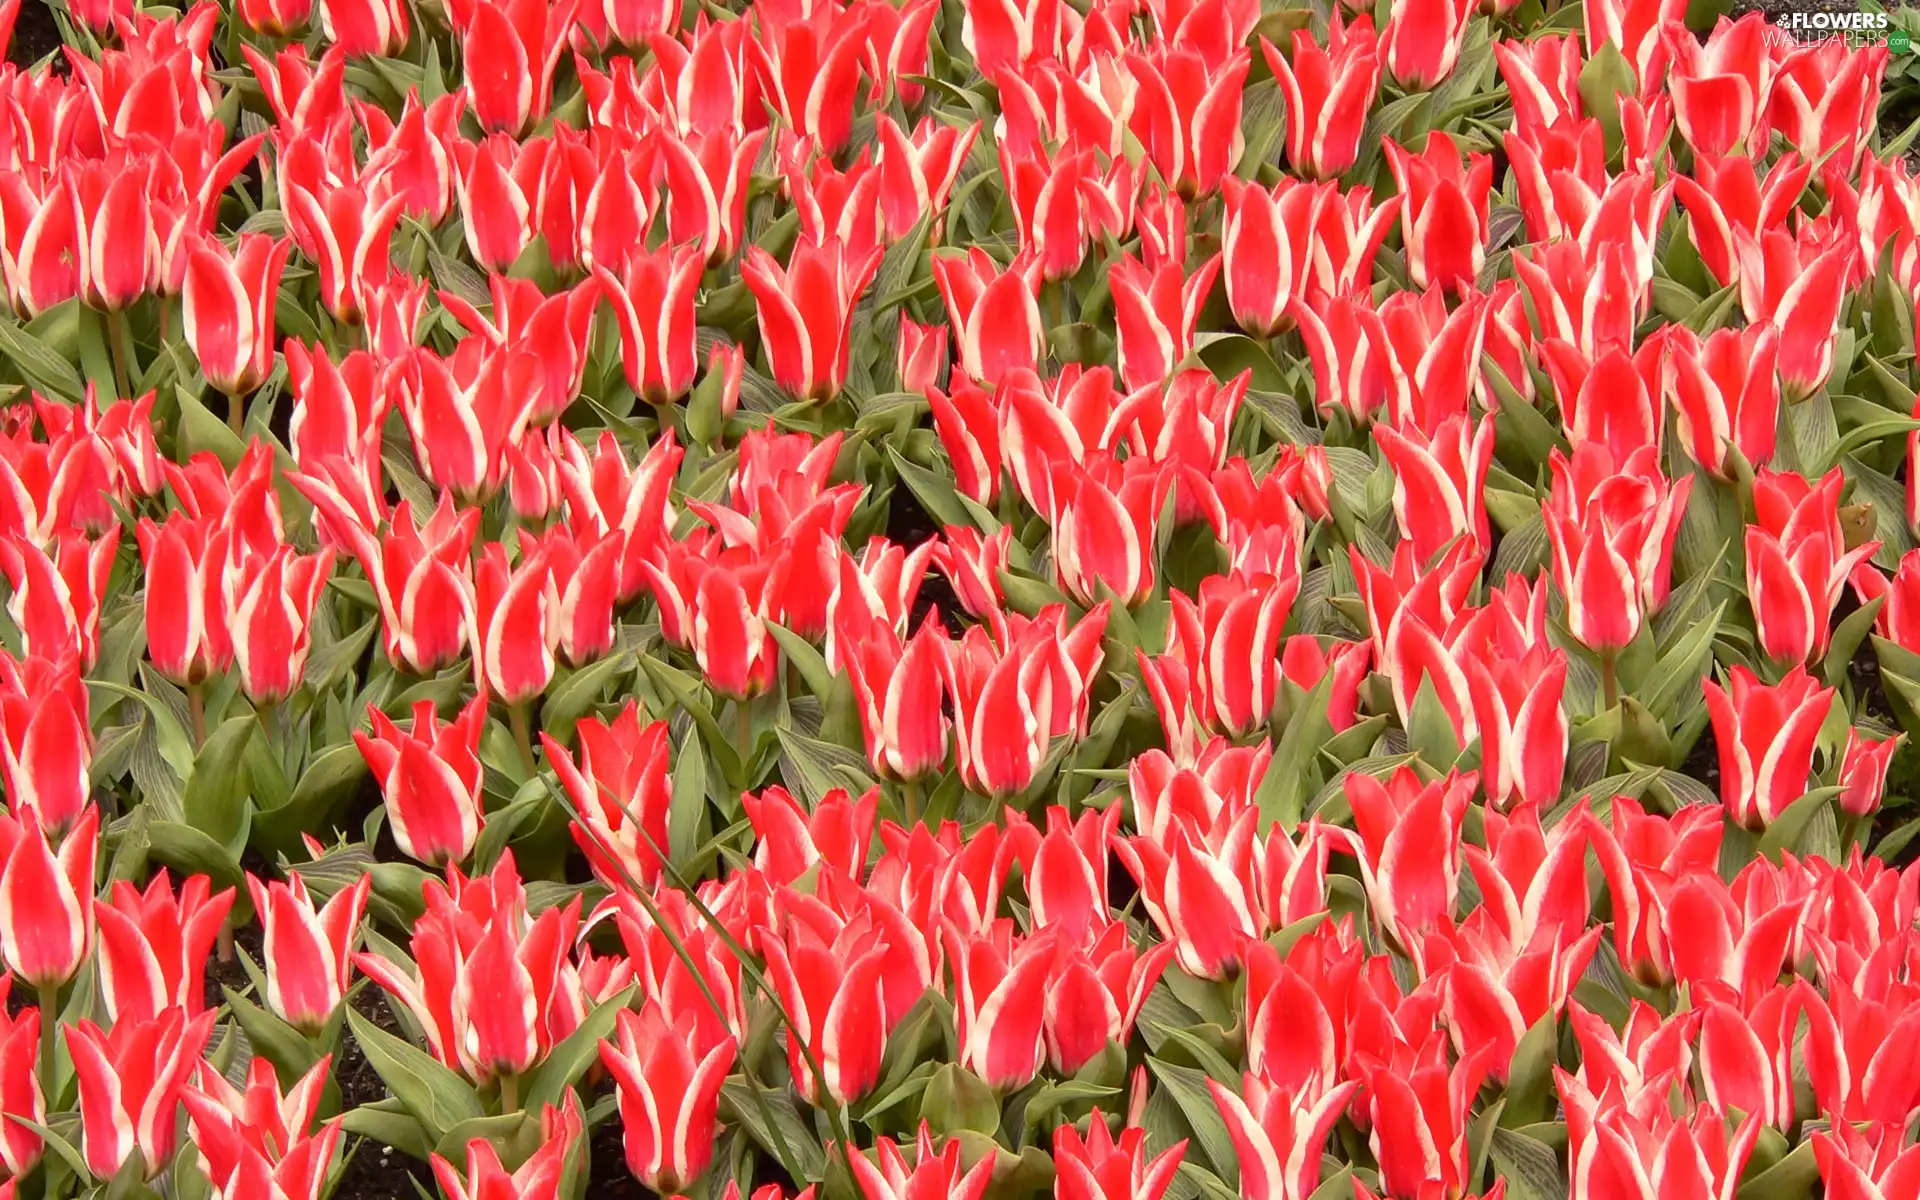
<point>1636,29</point>
<point>668,1082</point>
<point>1439,483</point>
<point>1420,1114</point>
<point>1766,736</point>
<point>933,1173</point>
<point>131,1080</point>
<point>188,633</point>
<point>622,792</point>
<point>728,631</point>
<point>429,777</point>
<point>1827,99</point>
<point>1407,843</point>
<point>543,1176</point>
<point>1725,393</point>
<point>46,741</point>
<point>365,27</point>
<point>20,1094</point>
<point>1620,1153</point>
<point>1000,1002</point>
<point>1278,1136</point>
<point>1720,87</point>
<point>1265,251</point>
<point>556,329</point>
<point>114,233</point>
<point>463,411</point>
<point>898,684</point>
<point>1612,398</point>
<point>256,1137</point>
<point>1186,114</point>
<point>993,312</point>
<point>1228,642</point>
<point>1104,538</point>
<point>1523,727</point>
<point>654,306</point>
<point>922,361</point>
<point>1611,526</point>
<point>1014,690</point>
<point>1430,357</point>
<point>1097,1167</point>
<point>1329,93</point>
<point>791,840</point>
<point>972,564</point>
<point>1798,286</point>
<point>420,576</point>
<point>1726,194</point>
<point>1863,772</point>
<point>491,985</point>
<point>229,298</point>
<point>274,18</point>
<point>832,986</point>
<point>509,49</point>
<point>967,419</point>
<point>1444,221</point>
<point>1304,662</point>
<point>46,901</point>
<point>806,313</point>
<point>1798,563</point>
<point>270,605</point>
<point>1877,1165</point>
<point>514,629</point>
<point>154,945</point>
<point>345,234</point>
<point>307,952</point>
<point>1542,75</point>
<point>1156,311</point>
<point>1347,345</point>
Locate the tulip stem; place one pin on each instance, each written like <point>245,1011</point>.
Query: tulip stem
<point>1609,680</point>
<point>509,1094</point>
<point>49,1027</point>
<point>236,412</point>
<point>197,713</point>
<point>518,720</point>
<point>122,346</point>
<point>910,801</point>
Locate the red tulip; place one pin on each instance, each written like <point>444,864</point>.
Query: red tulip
<point>833,987</point>
<point>1826,98</point>
<point>1611,527</point>
<point>1542,75</point>
<point>307,953</point>
<point>1304,663</point>
<point>1636,28</point>
<point>421,578</point>
<point>1105,531</point>
<point>543,1176</point>
<point>1797,563</point>
<point>334,431</point>
<point>729,611</point>
<point>464,411</point>
<point>514,629</point>
<point>257,1138</point>
<point>430,778</point>
<point>967,420</point>
<point>1228,643</point>
<point>1725,393</point>
<point>1720,87</point>
<point>492,987</point>
<point>1095,996</point>
<point>1766,735</point>
<point>1000,1002</point>
<point>229,300</point>
<point>972,565</point>
<point>1348,347</point>
<point>1444,221</point>
<point>365,27</point>
<point>669,1087</point>
<point>46,901</point>
<point>1877,1165</point>
<point>188,635</point>
<point>1186,115</point>
<point>622,792</point>
<point>1863,771</point>
<point>632,504</point>
<point>1063,203</point>
<point>116,238</point>
<point>1420,1114</point>
<point>1408,842</point>
<point>20,1147</point>
<point>1620,1153</point>
<point>1097,1167</point>
<point>810,66</point>
<point>922,360</point>
<point>1156,312</point>
<point>509,49</point>
<point>270,603</point>
<point>131,1080</point>
<point>1431,357</point>
<point>57,592</point>
<point>1278,1136</point>
<point>345,235</point>
<point>898,684</point>
<point>1014,688</point>
<point>1439,482</point>
<point>1424,39</point>
<point>46,740</point>
<point>1724,195</point>
<point>933,1173</point>
<point>836,834</point>
<point>654,307</point>
<point>1266,249</point>
<point>1798,285</point>
<point>1523,727</point>
<point>994,315</point>
<point>154,945</point>
<point>806,313</point>
<point>1613,398</point>
<point>1329,93</point>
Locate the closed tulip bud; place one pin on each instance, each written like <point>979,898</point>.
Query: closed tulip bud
<point>1523,727</point>
<point>130,1082</point>
<point>1000,1002</point>
<point>622,790</point>
<point>365,27</point>
<point>729,634</point>
<point>654,305</point>
<point>307,952</point>
<point>968,422</point>
<point>899,686</point>
<point>1863,771</point>
<point>1099,1168</point>
<point>1329,92</point>
<point>1266,250</point>
<point>1229,640</point>
<point>46,901</point>
<point>509,51</point>
<point>271,601</point>
<point>994,313</point>
<point>1439,482</point>
<point>1347,345</point>
<point>1766,735</point>
<point>430,778</point>
<point>1279,1136</point>
<point>1611,526</point>
<point>1105,533</point>
<point>229,299</point>
<point>20,1147</point>
<point>188,635</point>
<point>118,245</point>
<point>1156,311</point>
<point>805,311</point>
<point>154,945</point>
<point>1444,221</point>
<point>668,1082</point>
<point>922,361</point>
<point>1424,39</point>
<point>46,740</point>
<point>514,630</point>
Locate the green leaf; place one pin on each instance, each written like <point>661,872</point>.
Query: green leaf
<point>388,1124</point>
<point>805,659</point>
<point>1784,833</point>
<point>569,1060</point>
<point>818,767</point>
<point>572,700</point>
<point>796,1147</point>
<point>1189,1090</point>
<point>956,1099</point>
<point>1674,681</point>
<point>218,792</point>
<point>291,1054</point>
<point>1283,790</point>
<point>39,365</point>
<point>176,746</point>
<point>1531,1169</point>
<point>59,1145</point>
<point>437,1098</point>
<point>201,430</point>
<point>1792,1178</point>
<point>192,852</point>
<point>937,494</point>
<point>1530,1077</point>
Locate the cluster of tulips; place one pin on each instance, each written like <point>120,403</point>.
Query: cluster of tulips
<point>1132,599</point>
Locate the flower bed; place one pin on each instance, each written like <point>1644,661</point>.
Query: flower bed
<point>960,598</point>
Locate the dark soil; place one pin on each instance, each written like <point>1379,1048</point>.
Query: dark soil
<point>909,524</point>
<point>34,34</point>
<point>608,1176</point>
<point>377,1172</point>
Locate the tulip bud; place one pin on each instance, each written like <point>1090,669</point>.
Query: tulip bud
<point>46,901</point>
<point>669,1089</point>
<point>307,953</point>
<point>430,777</point>
<point>1863,771</point>
<point>1766,735</point>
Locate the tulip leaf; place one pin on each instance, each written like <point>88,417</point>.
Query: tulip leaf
<point>1290,772</point>
<point>291,1054</point>
<point>386,1122</point>
<point>568,1061</point>
<point>1519,422</point>
<point>437,1098</point>
<point>59,1145</point>
<point>218,792</point>
<point>957,1100</point>
<point>1337,1186</point>
<point>575,696</point>
<point>1784,832</point>
<point>1529,1094</point>
<point>1531,1169</point>
<point>935,491</point>
<point>1430,730</point>
<point>39,365</point>
<point>680,688</point>
<point>811,664</point>
<point>1208,1183</point>
<point>813,767</point>
<point>192,852</point>
<point>1189,1090</point>
<point>1792,1178</point>
<point>176,747</point>
<point>1674,680</point>
<point>794,1146</point>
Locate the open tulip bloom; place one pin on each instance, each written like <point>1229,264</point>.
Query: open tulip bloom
<point>871,600</point>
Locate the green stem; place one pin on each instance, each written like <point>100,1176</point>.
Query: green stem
<point>49,1031</point>
<point>236,413</point>
<point>1609,680</point>
<point>743,729</point>
<point>197,713</point>
<point>509,1094</point>
<point>518,720</point>
<point>120,340</point>
<point>910,801</point>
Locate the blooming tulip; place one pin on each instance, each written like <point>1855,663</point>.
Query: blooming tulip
<point>1097,1167</point>
<point>1439,482</point>
<point>188,632</point>
<point>808,346</point>
<point>1408,845</point>
<point>1156,312</point>
<point>46,901</point>
<point>130,1082</point>
<point>46,743</point>
<point>430,779</point>
<point>1611,526</point>
<point>654,306</point>
<point>994,315</point>
<point>1279,1136</point>
<point>1329,93</point>
<point>1766,735</point>
<point>1725,393</point>
<point>229,299</point>
<point>541,1177</point>
<point>20,1094</point>
<point>154,945</point>
<point>1799,286</point>
<point>1720,87</point>
<point>1444,221</point>
<point>1863,772</point>
<point>1265,251</point>
<point>307,952</point>
<point>270,605</point>
<point>1186,114</point>
<point>668,1082</point>
<point>622,792</point>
